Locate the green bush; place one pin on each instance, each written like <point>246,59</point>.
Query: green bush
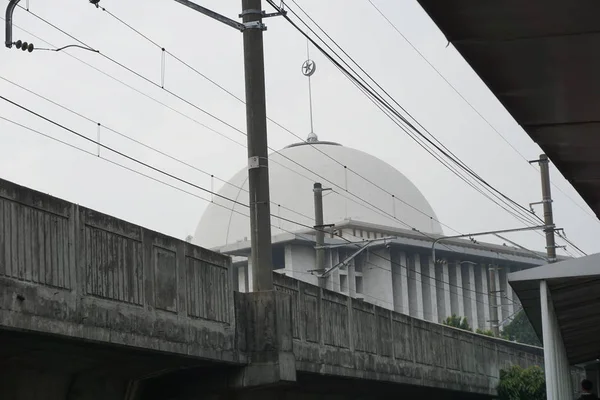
<point>486,332</point>
<point>457,322</point>
<point>517,383</point>
<point>520,330</point>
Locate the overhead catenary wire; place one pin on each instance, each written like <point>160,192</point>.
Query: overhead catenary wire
<point>532,219</point>
<point>230,93</point>
<point>389,21</point>
<point>172,176</point>
<point>240,131</point>
<point>208,200</point>
<point>386,104</point>
<point>132,139</point>
<point>129,69</point>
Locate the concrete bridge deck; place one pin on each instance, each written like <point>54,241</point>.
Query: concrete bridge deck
<point>96,307</point>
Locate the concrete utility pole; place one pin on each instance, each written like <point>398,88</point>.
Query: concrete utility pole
<point>547,202</point>
<point>261,257</point>
<point>319,232</point>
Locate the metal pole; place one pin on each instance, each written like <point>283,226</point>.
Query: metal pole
<point>494,302</point>
<point>319,232</point>
<point>547,201</point>
<point>436,241</point>
<point>258,171</point>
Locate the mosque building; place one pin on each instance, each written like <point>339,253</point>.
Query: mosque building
<point>380,244</point>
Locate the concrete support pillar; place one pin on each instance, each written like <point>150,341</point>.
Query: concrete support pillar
<point>265,331</point>
<point>400,282</point>
<point>499,295</point>
<point>249,284</point>
<point>444,306</point>
<point>242,279</point>
<point>508,303</point>
<point>482,296</point>
<point>415,287</point>
<point>457,299</point>
<point>469,289</point>
<point>378,279</point>
<point>557,369</point>
<point>429,290</point>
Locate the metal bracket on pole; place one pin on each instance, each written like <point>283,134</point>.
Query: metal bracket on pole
<point>12,4</point>
<point>263,14</point>
<point>216,16</point>
<point>254,25</point>
<point>230,22</point>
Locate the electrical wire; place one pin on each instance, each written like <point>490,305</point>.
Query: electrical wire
<point>130,138</point>
<point>127,68</point>
<point>473,107</point>
<point>380,12</point>
<point>147,38</point>
<point>174,177</point>
<point>147,79</point>
<point>526,217</point>
<point>369,88</point>
<point>181,98</point>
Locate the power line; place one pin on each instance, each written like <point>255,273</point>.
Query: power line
<point>148,80</point>
<point>186,101</point>
<point>473,107</point>
<point>529,218</point>
<point>156,44</point>
<point>170,175</point>
<point>178,160</point>
<point>387,105</point>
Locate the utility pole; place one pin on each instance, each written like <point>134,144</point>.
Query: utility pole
<point>547,202</point>
<point>261,257</point>
<point>319,232</point>
<point>493,302</point>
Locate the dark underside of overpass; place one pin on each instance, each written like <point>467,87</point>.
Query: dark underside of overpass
<point>541,60</point>
<point>44,367</point>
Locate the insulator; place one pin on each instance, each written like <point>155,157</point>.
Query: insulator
<point>30,47</point>
<point>24,46</point>
<point>18,44</point>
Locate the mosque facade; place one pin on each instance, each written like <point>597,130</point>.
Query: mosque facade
<point>379,248</point>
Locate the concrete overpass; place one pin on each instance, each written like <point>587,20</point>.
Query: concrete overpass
<point>92,307</point>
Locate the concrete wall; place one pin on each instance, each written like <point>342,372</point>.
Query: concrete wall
<point>340,336</point>
<point>71,271</point>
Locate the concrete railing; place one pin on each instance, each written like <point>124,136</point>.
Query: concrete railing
<point>334,334</point>
<point>72,271</point>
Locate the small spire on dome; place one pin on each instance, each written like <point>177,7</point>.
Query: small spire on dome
<point>312,137</point>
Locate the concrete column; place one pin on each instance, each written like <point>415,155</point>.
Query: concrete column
<point>429,290</point>
<point>468,277</point>
<point>508,304</point>
<point>499,295</point>
<point>249,284</point>
<point>400,282</point>
<point>415,287</point>
<point>242,279</point>
<point>444,306</point>
<point>457,299</point>
<point>378,279</point>
<point>482,296</point>
<point>557,369</point>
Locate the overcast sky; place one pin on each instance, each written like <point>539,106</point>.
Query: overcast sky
<point>342,113</point>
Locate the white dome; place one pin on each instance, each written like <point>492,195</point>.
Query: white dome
<point>291,187</point>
